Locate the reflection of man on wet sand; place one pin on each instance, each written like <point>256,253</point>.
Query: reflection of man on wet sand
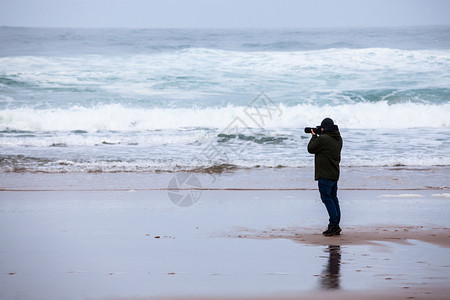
<point>330,276</point>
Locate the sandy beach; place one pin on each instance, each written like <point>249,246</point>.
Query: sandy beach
<point>119,236</point>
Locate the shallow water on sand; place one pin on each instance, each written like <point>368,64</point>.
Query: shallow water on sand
<point>99,244</point>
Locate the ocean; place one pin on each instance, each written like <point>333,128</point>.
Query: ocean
<point>170,100</point>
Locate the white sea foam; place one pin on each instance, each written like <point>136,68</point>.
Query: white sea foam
<point>402,196</point>
<point>443,195</point>
<point>120,118</point>
<point>198,58</point>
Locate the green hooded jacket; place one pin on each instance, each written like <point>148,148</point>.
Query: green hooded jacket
<point>327,149</point>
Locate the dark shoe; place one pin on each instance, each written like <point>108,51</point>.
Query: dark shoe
<point>328,229</point>
<point>334,230</point>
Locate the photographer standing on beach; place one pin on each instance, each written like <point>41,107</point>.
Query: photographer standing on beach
<point>326,145</point>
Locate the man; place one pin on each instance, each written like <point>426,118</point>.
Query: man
<point>327,145</point>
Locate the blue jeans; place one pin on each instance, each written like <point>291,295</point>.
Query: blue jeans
<point>328,194</point>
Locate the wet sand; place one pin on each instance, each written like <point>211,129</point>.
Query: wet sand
<point>120,236</point>
<point>394,294</point>
<point>355,235</point>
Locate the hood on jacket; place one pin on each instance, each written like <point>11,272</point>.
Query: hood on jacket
<point>331,128</point>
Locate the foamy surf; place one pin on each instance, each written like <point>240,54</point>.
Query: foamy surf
<point>402,196</point>
<point>123,118</point>
<point>443,195</point>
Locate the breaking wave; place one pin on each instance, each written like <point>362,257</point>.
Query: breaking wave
<point>116,117</point>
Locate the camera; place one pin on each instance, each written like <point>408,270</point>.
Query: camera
<point>317,130</point>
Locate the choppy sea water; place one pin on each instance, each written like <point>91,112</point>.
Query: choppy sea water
<point>112,100</point>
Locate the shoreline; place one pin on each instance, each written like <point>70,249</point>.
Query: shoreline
<point>352,178</point>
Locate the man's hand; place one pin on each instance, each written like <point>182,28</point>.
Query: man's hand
<point>312,132</point>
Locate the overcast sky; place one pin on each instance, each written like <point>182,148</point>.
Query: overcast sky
<point>223,13</point>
